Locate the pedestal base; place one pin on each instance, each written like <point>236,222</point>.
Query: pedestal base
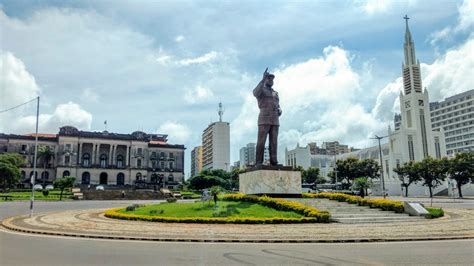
<point>277,183</point>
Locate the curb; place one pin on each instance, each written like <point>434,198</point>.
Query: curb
<point>7,225</point>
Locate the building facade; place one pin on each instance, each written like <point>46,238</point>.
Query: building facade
<point>196,161</point>
<point>102,157</point>
<point>455,115</point>
<point>216,146</point>
<point>248,153</point>
<point>304,157</point>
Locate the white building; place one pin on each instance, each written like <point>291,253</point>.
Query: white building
<point>302,156</point>
<point>248,153</point>
<point>216,144</point>
<point>413,139</point>
<point>456,116</point>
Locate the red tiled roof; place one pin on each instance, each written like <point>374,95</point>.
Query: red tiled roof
<point>158,142</point>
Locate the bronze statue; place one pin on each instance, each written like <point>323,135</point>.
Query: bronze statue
<point>268,119</point>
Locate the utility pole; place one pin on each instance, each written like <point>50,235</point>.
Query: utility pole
<point>33,177</point>
<point>381,163</point>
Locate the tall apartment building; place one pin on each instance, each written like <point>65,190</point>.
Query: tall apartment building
<point>196,161</point>
<point>248,153</point>
<point>104,158</point>
<point>329,148</point>
<point>216,146</point>
<point>455,115</point>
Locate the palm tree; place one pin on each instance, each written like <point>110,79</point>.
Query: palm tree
<point>45,153</point>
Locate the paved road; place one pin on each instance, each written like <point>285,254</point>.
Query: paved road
<point>21,249</point>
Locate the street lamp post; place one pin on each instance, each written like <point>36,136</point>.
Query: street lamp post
<point>335,169</point>
<point>33,177</point>
<point>381,164</point>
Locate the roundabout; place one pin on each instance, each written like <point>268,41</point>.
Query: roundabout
<point>91,223</point>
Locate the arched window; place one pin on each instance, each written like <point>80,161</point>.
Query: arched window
<point>171,166</point>
<point>170,178</point>
<point>86,178</point>
<point>138,176</point>
<point>103,179</point>
<point>120,179</point>
<point>86,160</point>
<point>119,161</point>
<point>36,175</point>
<point>44,175</point>
<point>66,173</point>
<point>103,160</point>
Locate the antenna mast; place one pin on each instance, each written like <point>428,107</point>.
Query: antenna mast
<point>220,111</point>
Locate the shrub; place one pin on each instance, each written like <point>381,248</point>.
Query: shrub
<point>384,204</point>
<point>171,200</point>
<point>434,212</point>
<point>45,192</point>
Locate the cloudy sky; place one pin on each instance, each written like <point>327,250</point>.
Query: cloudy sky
<point>163,66</point>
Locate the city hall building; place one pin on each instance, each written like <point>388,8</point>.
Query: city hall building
<point>101,157</point>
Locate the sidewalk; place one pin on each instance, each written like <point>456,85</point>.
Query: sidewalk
<point>457,224</point>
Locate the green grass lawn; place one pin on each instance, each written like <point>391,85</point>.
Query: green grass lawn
<point>53,195</point>
<point>223,209</point>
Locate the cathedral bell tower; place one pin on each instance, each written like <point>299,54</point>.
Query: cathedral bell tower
<point>414,104</point>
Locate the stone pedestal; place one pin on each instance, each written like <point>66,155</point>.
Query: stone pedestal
<point>271,181</point>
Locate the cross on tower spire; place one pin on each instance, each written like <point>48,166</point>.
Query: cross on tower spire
<point>406,18</point>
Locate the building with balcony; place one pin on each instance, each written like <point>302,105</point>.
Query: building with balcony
<point>247,155</point>
<point>101,157</point>
<point>196,161</point>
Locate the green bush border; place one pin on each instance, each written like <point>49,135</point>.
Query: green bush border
<point>312,215</point>
<point>384,204</point>
<point>434,212</point>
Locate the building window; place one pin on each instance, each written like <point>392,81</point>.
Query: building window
<point>103,161</point>
<point>119,161</point>
<point>387,169</point>
<point>24,148</point>
<point>120,179</point>
<point>138,177</point>
<point>170,178</point>
<point>67,159</point>
<point>66,173</point>
<point>162,156</point>
<point>86,159</point>
<point>411,152</point>
<point>162,165</point>
<point>437,148</point>
<point>139,151</point>
<point>139,163</point>
<point>86,178</point>
<point>171,155</point>
<point>68,147</point>
<point>171,165</point>
<point>103,179</point>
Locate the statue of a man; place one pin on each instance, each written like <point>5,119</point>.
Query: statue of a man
<point>268,119</point>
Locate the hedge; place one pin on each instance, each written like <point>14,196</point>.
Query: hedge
<point>312,215</point>
<point>283,205</point>
<point>384,204</point>
<point>434,212</point>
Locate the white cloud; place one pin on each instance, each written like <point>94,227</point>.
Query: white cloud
<point>198,94</point>
<point>319,98</point>
<point>90,95</point>
<point>177,132</point>
<point>386,105</point>
<point>466,16</point>
<point>376,6</point>
<point>18,86</point>
<point>179,38</point>
<point>199,60</point>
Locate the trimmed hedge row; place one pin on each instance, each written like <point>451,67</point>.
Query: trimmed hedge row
<point>283,205</point>
<point>384,204</point>
<point>113,213</point>
<point>434,212</point>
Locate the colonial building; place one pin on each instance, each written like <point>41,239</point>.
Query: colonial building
<point>102,157</point>
<point>455,115</point>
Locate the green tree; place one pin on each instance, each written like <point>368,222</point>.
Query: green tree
<point>215,190</point>
<point>408,174</point>
<point>362,184</point>
<point>348,170</point>
<point>64,183</point>
<point>432,172</point>
<point>201,182</point>
<point>461,169</point>
<point>369,168</point>
<point>311,175</point>
<point>10,164</point>
<point>45,153</point>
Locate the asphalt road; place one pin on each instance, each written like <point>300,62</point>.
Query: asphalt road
<point>23,249</point>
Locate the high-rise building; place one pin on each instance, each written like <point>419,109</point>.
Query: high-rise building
<point>216,145</point>
<point>196,161</point>
<point>248,153</point>
<point>455,115</point>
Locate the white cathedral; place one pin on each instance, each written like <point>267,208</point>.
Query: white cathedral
<point>413,139</point>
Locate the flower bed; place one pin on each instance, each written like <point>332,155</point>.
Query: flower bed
<point>384,204</point>
<point>311,215</point>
